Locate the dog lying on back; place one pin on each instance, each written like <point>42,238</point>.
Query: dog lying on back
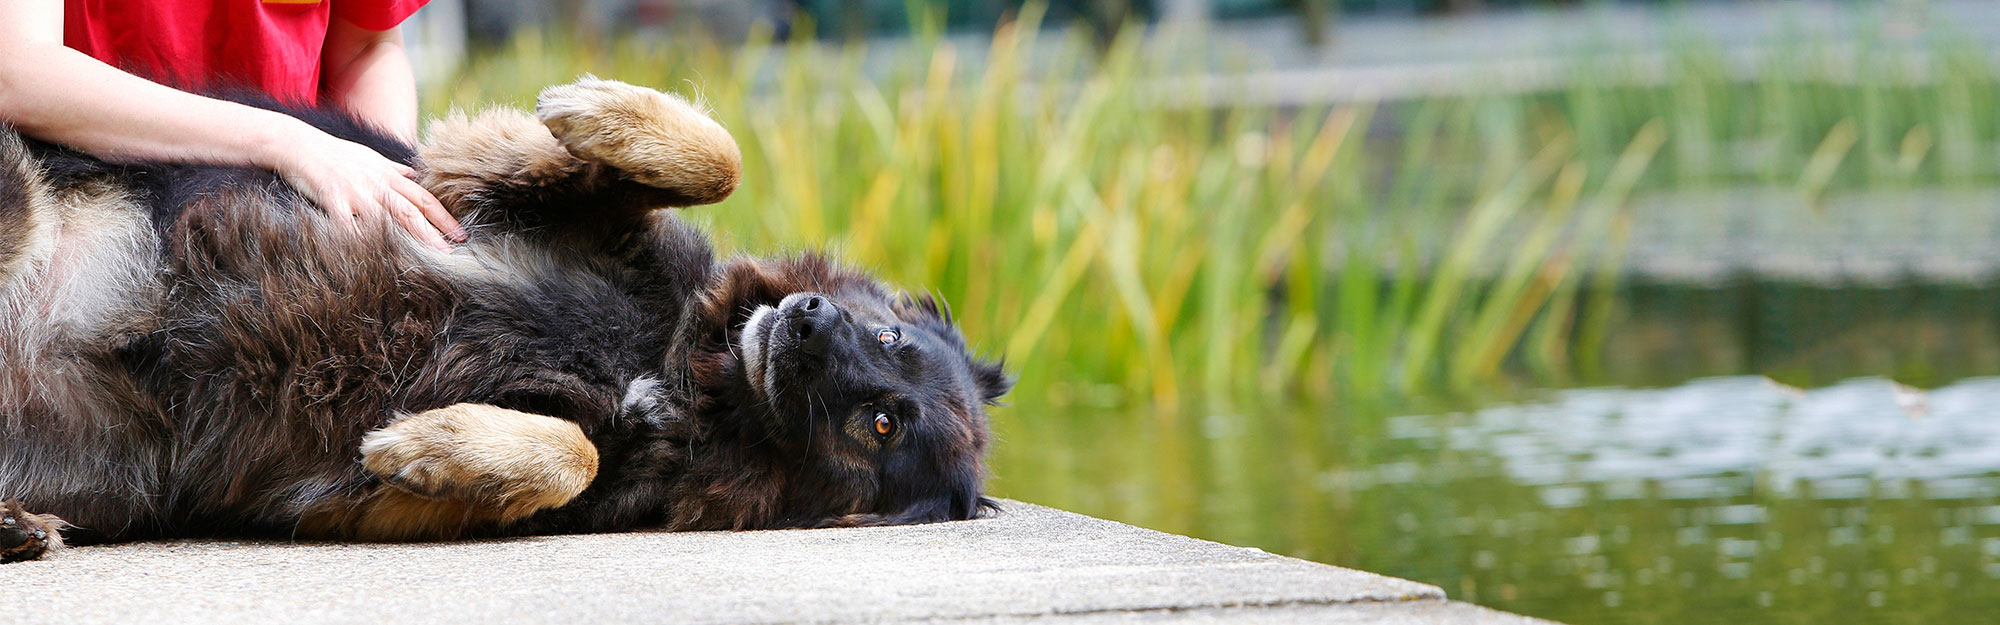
<point>198,350</point>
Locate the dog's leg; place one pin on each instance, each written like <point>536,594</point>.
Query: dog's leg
<point>656,139</point>
<point>600,149</point>
<point>460,468</point>
<point>27,536</point>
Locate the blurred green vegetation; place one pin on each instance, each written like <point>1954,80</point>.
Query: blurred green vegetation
<point>1080,215</point>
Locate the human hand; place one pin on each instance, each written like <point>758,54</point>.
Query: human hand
<point>353,183</point>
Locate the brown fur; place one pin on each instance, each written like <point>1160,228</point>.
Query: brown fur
<point>499,464</point>
<point>451,470</point>
<point>469,155</point>
<point>658,139</point>
<point>630,149</point>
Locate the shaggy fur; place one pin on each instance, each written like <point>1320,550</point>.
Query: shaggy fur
<point>197,350</point>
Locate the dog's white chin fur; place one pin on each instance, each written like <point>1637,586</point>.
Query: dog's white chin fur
<point>752,341</point>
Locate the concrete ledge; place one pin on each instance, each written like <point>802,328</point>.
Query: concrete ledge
<point>1028,563</point>
<point>1426,612</point>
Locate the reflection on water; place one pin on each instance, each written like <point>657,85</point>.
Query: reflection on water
<point>1723,500</point>
<point>1728,437</point>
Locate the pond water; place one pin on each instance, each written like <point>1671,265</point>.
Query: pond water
<point>1721,500</point>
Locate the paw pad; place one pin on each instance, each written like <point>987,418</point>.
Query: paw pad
<point>25,536</point>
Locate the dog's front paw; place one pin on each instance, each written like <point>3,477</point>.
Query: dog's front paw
<point>27,536</point>
<point>507,461</point>
<point>658,139</point>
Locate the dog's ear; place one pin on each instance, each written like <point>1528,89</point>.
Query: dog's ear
<point>936,510</point>
<point>992,378</point>
<point>918,491</point>
<point>958,506</point>
<point>925,305</point>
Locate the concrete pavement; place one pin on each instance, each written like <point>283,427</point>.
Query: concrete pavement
<point>1029,563</point>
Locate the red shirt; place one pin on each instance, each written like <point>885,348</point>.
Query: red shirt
<point>270,45</point>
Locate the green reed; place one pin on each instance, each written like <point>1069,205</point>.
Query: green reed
<point>1120,246</point>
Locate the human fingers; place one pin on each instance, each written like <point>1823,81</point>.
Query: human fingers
<point>320,195</point>
<point>412,219</point>
<point>342,213</point>
<point>433,211</point>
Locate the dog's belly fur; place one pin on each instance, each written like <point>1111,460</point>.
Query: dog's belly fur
<point>216,372</point>
<point>82,282</point>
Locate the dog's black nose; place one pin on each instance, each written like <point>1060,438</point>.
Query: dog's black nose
<point>811,319</point>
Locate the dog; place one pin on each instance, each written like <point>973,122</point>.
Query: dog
<point>194,350</point>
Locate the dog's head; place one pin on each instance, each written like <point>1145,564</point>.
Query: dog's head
<point>873,391</point>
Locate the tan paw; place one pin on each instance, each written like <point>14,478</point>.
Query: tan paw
<point>658,139</point>
<point>27,536</point>
<point>504,462</point>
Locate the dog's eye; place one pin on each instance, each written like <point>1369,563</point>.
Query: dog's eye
<point>883,424</point>
<point>888,336</point>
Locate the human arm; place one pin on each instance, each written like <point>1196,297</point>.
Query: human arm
<point>368,73</point>
<point>63,96</point>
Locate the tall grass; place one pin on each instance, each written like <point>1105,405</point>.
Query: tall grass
<point>1121,249</point>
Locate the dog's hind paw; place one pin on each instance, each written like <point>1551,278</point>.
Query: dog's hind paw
<point>26,536</point>
<point>503,461</point>
<point>658,139</point>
